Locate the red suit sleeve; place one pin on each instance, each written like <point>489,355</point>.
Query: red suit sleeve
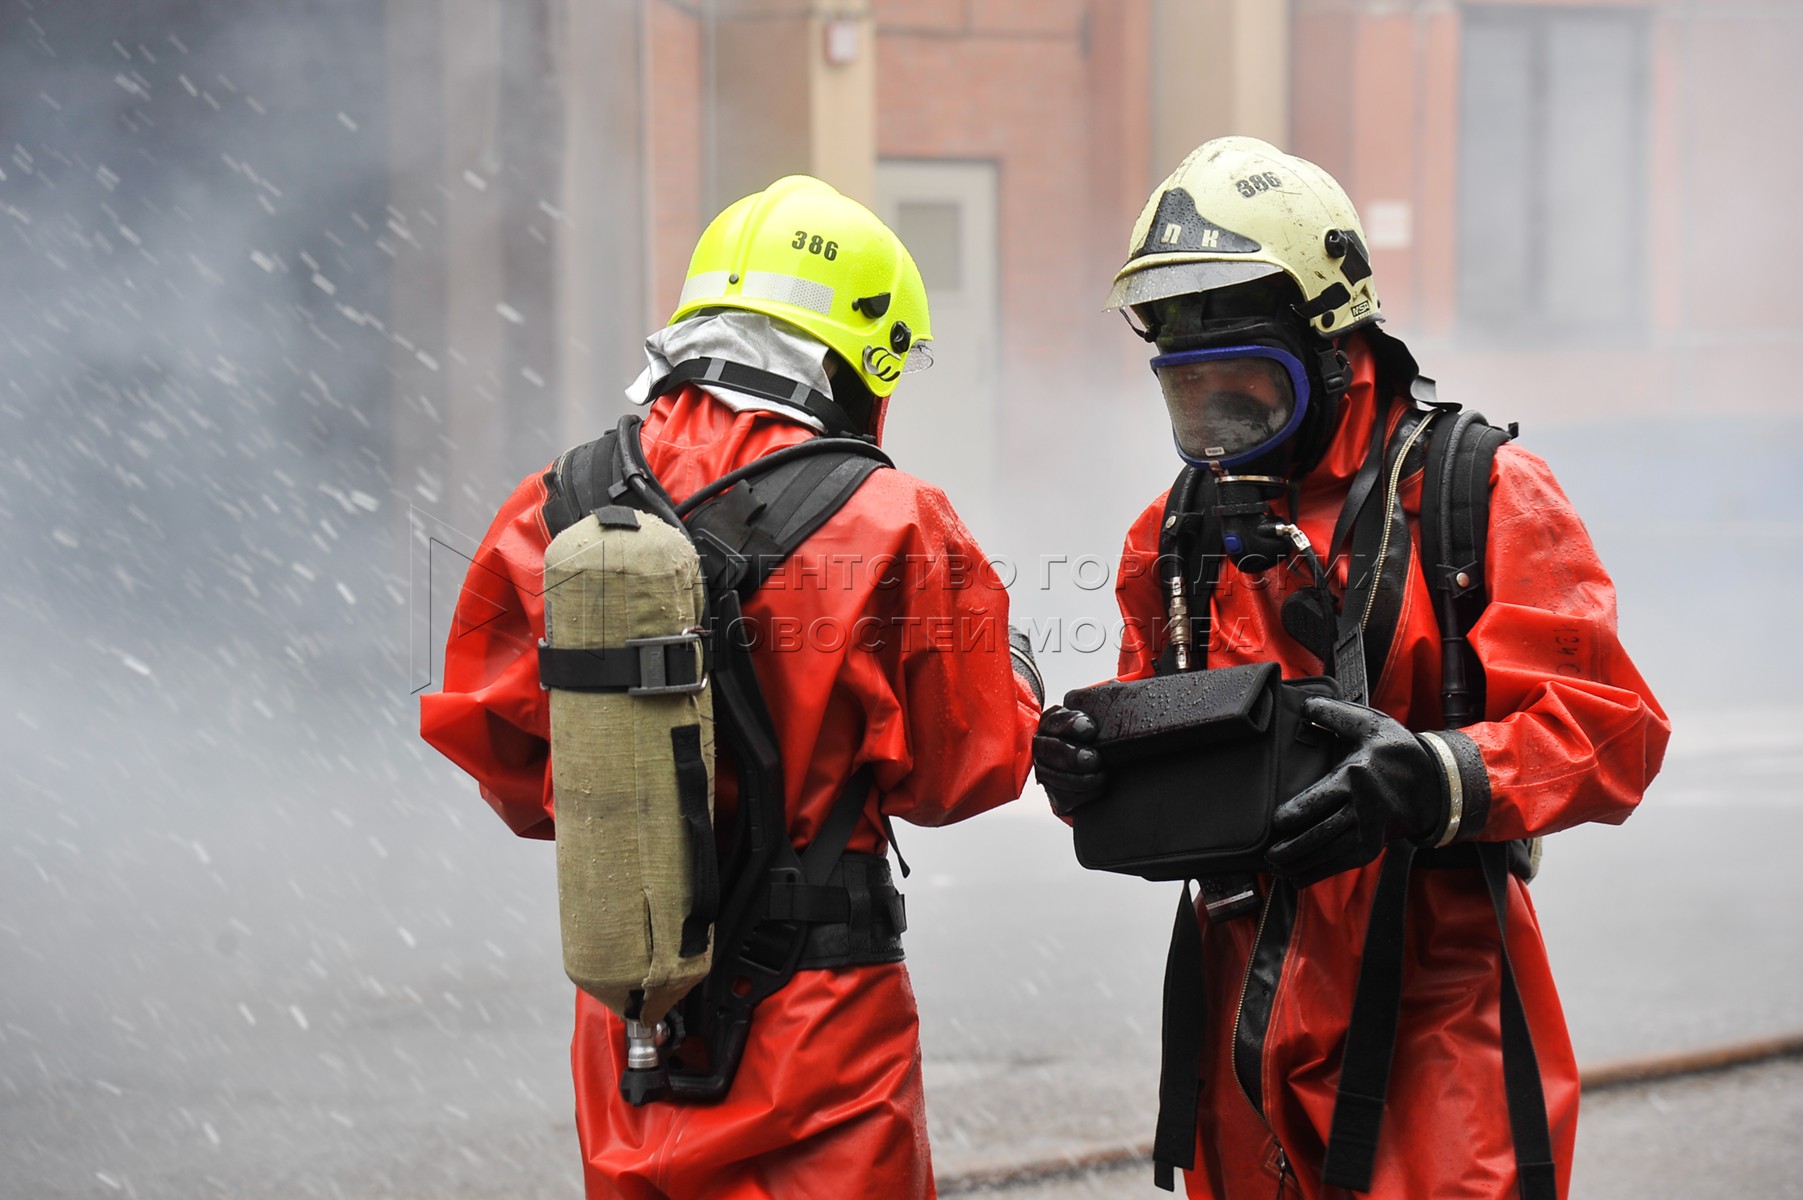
<point>947,720</point>
<point>492,718</point>
<point>1572,732</point>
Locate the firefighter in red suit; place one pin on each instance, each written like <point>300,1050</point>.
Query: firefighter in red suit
<point>883,643</point>
<point>1248,271</point>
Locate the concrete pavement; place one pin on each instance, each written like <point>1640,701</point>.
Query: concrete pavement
<point>1726,1133</point>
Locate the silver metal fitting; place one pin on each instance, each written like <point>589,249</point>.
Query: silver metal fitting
<point>1297,538</point>
<point>1177,605</point>
<point>642,1042</point>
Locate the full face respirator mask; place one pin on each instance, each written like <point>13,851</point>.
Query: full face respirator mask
<point>1235,394</point>
<point>1251,393</point>
<point>1243,376</point>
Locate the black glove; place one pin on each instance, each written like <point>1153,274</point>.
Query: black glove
<point>1388,786</point>
<point>1066,761</point>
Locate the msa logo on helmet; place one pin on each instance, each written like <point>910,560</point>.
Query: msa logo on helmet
<point>1177,227</point>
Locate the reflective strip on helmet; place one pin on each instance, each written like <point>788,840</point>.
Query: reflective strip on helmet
<point>788,289</point>
<point>705,285</point>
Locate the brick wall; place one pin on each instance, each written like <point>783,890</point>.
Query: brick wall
<point>1054,92</point>
<point>1376,98</point>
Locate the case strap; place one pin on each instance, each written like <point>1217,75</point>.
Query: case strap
<point>1180,1073</point>
<point>1358,1110</point>
<point>1371,1038</point>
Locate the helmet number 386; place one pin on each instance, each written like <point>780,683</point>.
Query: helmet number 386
<point>815,244</point>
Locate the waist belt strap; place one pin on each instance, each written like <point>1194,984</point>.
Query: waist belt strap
<point>818,903</point>
<point>826,867</point>
<point>873,915</point>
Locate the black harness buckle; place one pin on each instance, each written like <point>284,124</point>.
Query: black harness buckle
<point>655,675</point>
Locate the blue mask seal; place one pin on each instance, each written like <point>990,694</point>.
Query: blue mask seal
<point>1231,404</point>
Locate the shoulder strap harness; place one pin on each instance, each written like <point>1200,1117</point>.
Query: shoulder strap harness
<point>779,909</point>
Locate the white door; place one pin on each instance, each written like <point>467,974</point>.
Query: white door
<point>943,423</point>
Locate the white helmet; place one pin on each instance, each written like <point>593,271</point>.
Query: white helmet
<point>1238,209</point>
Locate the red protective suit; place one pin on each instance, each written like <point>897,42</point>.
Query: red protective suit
<point>1571,734</point>
<point>884,641</point>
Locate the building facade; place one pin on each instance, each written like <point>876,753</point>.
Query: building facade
<point>1590,197</point>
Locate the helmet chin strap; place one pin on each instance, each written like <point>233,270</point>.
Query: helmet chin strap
<point>1332,377</point>
<point>1335,370</point>
<point>864,410</point>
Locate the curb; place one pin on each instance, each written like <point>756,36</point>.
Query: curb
<point>1603,1076</point>
<point>1078,1162</point>
<point>1623,1072</point>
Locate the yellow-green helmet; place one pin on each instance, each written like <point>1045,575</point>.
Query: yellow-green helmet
<point>1238,209</point>
<point>802,253</point>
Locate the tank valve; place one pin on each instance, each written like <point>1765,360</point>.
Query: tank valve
<point>644,1079</point>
